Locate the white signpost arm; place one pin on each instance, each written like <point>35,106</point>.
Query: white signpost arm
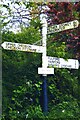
<point>63,26</point>
<point>22,47</point>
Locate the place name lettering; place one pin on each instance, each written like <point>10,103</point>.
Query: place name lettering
<point>66,66</point>
<point>62,27</point>
<point>21,47</point>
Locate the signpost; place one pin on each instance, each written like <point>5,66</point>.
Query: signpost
<point>63,26</point>
<point>47,61</point>
<point>62,63</point>
<point>22,47</point>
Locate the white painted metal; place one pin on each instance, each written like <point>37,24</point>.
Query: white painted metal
<point>63,26</point>
<point>44,37</point>
<point>22,47</point>
<point>62,63</point>
<point>45,71</point>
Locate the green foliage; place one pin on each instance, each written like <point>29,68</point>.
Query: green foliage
<point>23,97</point>
<point>65,110</point>
<point>59,49</point>
<point>18,70</point>
<point>35,112</point>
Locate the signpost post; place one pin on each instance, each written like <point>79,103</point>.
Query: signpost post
<point>44,65</point>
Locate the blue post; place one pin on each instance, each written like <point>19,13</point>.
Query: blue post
<point>45,97</point>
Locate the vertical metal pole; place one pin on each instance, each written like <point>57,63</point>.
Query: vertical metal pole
<point>44,64</point>
<point>45,97</point>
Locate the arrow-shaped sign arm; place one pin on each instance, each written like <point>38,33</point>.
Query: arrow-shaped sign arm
<point>22,47</point>
<point>63,26</point>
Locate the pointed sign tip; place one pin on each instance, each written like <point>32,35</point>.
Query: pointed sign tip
<point>3,45</point>
<point>77,22</point>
